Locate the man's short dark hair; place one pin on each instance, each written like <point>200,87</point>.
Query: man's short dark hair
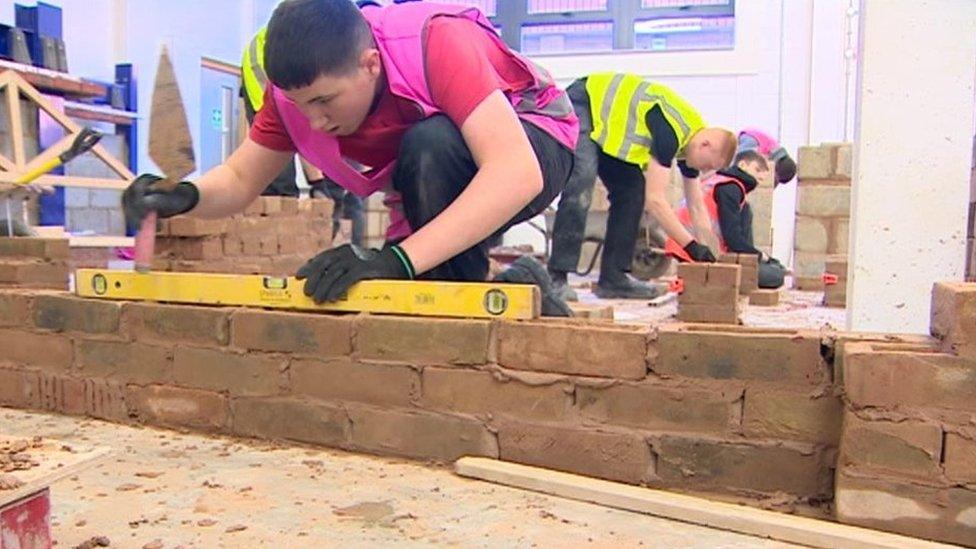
<point>750,155</point>
<point>309,38</point>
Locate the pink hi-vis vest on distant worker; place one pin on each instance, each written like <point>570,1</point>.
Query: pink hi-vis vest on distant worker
<point>399,31</point>
<point>708,197</point>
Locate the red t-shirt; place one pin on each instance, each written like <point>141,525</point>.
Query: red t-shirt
<point>464,66</point>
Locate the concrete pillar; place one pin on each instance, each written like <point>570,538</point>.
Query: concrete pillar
<point>913,146</point>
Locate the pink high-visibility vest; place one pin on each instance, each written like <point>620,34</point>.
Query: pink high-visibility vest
<point>708,197</point>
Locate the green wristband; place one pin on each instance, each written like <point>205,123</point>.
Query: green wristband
<point>407,265</point>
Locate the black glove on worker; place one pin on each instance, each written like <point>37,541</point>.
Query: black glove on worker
<point>329,275</point>
<point>140,198</point>
<point>699,252</point>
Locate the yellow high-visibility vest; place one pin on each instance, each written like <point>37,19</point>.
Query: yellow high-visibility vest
<point>619,104</point>
<point>252,70</point>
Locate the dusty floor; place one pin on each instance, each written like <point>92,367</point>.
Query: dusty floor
<point>166,489</point>
<point>796,309</point>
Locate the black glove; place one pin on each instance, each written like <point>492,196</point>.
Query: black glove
<point>329,275</point>
<point>699,252</point>
<point>140,198</point>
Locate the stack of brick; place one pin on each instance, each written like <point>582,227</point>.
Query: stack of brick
<point>823,206</point>
<point>711,292</point>
<point>908,449</point>
<point>742,413</point>
<point>377,221</point>
<point>34,263</point>
<point>275,235</point>
<point>835,282</point>
<point>749,282</point>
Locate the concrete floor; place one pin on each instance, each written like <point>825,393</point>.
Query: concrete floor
<point>796,309</point>
<point>167,489</point>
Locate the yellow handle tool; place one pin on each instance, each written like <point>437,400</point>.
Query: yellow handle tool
<point>83,143</point>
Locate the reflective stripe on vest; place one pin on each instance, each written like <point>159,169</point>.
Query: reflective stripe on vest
<point>252,70</point>
<point>619,104</point>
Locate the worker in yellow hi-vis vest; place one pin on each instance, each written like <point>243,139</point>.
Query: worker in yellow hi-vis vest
<point>254,83</point>
<point>631,131</point>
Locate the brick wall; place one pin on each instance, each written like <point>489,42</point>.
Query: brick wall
<point>275,235</point>
<point>908,450</point>
<point>756,415</point>
<point>823,206</point>
<point>33,263</point>
<point>735,412</point>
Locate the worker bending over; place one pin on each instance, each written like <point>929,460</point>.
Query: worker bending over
<point>631,131</point>
<point>464,136</point>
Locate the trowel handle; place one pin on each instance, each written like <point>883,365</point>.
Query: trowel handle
<point>145,243</point>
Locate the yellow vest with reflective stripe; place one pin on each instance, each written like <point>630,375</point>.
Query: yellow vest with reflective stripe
<point>619,104</point>
<point>252,70</point>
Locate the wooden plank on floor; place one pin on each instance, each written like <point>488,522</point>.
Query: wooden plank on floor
<point>54,464</point>
<point>694,510</point>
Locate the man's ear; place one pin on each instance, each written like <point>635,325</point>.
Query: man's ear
<point>370,60</point>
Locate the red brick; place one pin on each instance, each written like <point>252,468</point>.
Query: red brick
<point>18,388</point>
<point>218,370</point>
<point>186,226</point>
<point>343,379</point>
<point>39,248</point>
<point>177,407</point>
<point>14,308</point>
<point>724,275</point>
<point>322,207</point>
<point>791,415</point>
<point>708,465</point>
<point>837,343</point>
<point>233,247</point>
<point>192,248</point>
<point>624,457</point>
<point>254,208</point>
<point>656,408</point>
<point>105,399</point>
<point>66,313</point>
<point>62,394</point>
<point>291,419</point>
<point>419,435</point>
<point>728,353</point>
<point>954,317</point>
<point>50,352</point>
<point>898,379</point>
<point>575,349</point>
<point>712,314</point>
<point>270,205</point>
<point>764,298</point>
<point>251,245</point>
<point>693,273</point>
<point>485,393</point>
<point>422,340</point>
<point>321,335</point>
<point>960,458</point>
<point>942,514</point>
<point>182,324</point>
<point>903,449</point>
<point>32,273</point>
<point>289,206</point>
<point>124,361</point>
